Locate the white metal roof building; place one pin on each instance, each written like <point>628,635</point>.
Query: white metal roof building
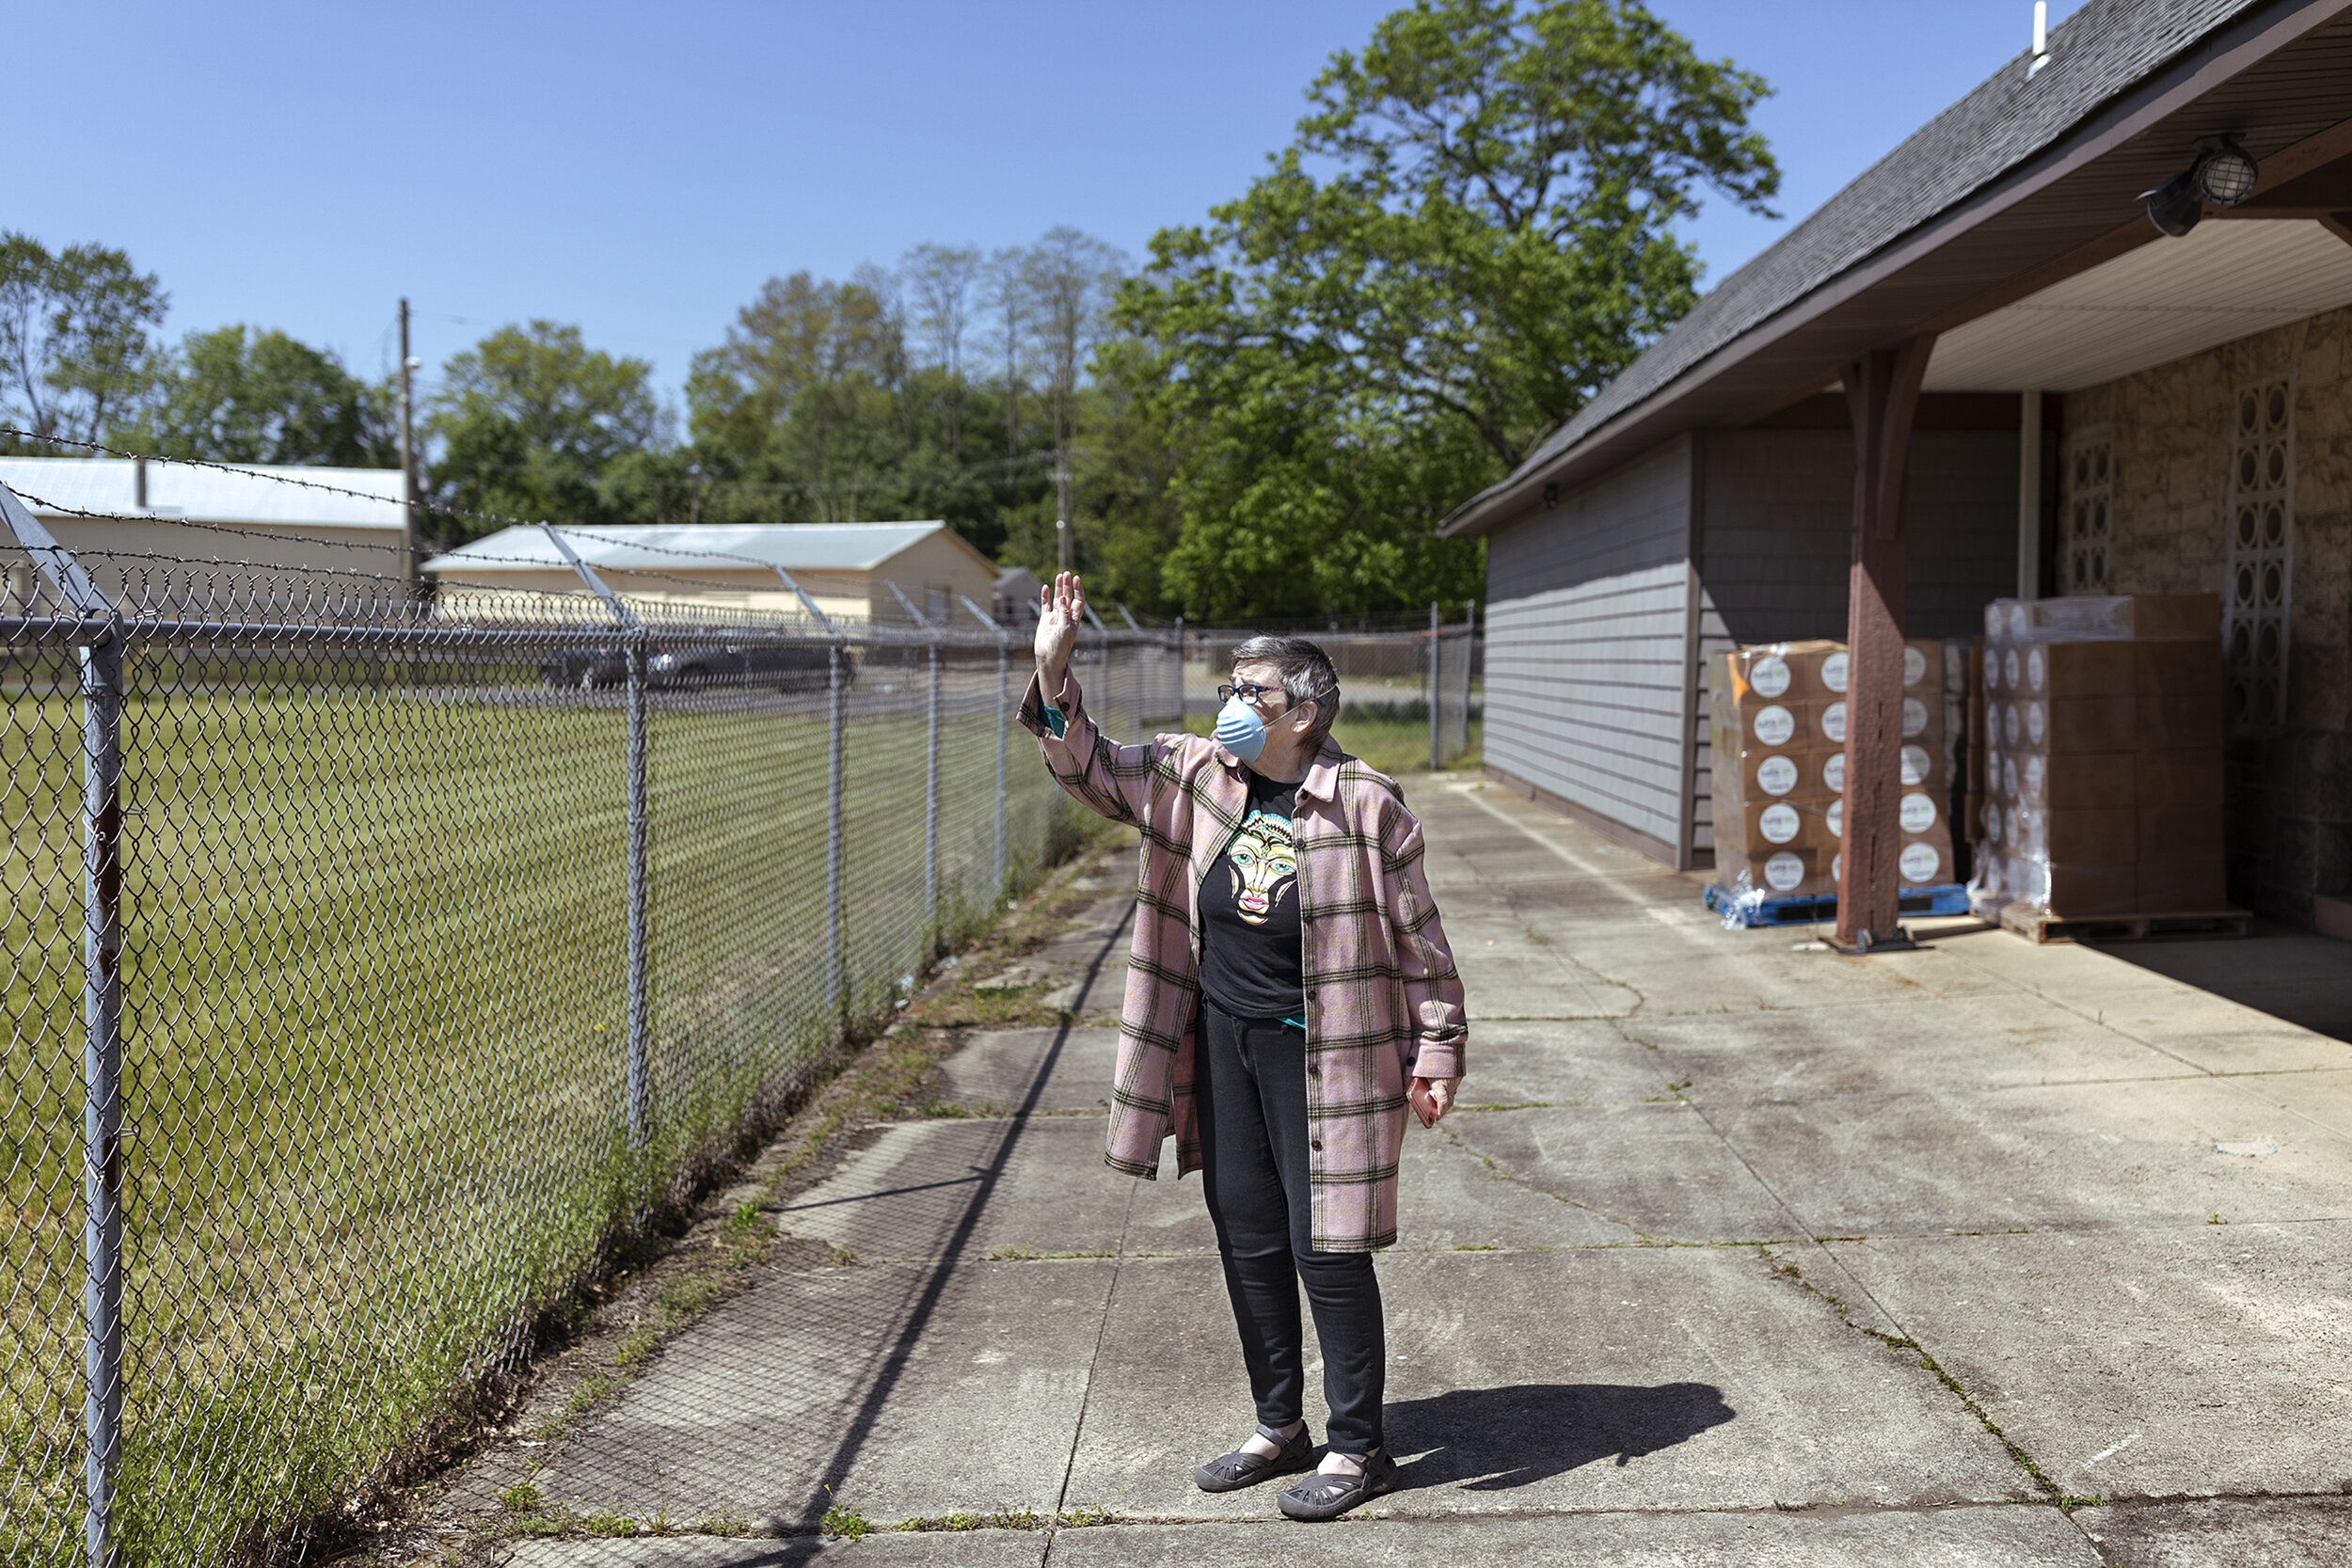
<point>847,568</point>
<point>136,517</point>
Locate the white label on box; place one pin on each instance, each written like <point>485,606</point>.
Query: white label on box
<point>1915,666</point>
<point>1916,813</point>
<point>1783,872</point>
<point>1774,725</point>
<point>1914,765</point>
<point>2037,723</point>
<point>2037,668</point>
<point>2008,669</point>
<point>1993,619</point>
<point>2008,777</point>
<point>1779,823</point>
<point>1776,775</point>
<point>1919,862</point>
<point>2033,777</point>
<point>1993,669</point>
<point>1836,863</point>
<point>1914,717</point>
<point>1834,671</point>
<point>1837,815</point>
<point>1834,721</point>
<point>2017,619</point>
<point>1834,772</point>
<point>1993,821</point>
<point>2010,726</point>
<point>1769,675</point>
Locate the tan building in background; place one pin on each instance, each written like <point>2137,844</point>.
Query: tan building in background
<point>847,568</point>
<point>194,534</point>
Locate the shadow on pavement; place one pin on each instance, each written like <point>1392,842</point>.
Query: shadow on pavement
<point>1493,1439</point>
<point>2299,977</point>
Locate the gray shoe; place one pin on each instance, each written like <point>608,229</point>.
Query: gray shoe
<point>1321,1496</point>
<point>1232,1472</point>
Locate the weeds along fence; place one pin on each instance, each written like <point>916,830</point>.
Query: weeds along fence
<point>374,966</point>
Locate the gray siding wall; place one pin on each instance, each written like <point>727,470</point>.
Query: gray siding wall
<point>1586,629</point>
<point>1773,545</point>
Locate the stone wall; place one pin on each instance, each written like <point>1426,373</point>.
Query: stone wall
<point>2290,787</point>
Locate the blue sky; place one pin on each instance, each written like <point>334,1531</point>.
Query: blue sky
<point>641,169</point>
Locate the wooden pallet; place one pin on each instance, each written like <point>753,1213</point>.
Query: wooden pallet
<point>2046,926</point>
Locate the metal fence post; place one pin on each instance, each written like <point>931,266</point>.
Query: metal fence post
<point>101,1085</point>
<point>931,803</point>
<point>836,995</point>
<point>638,1002</point>
<point>1004,693</point>
<point>1435,642</point>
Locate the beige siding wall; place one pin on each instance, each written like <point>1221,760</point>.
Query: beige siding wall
<point>2291,786</point>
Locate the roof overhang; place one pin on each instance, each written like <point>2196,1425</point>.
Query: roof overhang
<point>2274,75</point>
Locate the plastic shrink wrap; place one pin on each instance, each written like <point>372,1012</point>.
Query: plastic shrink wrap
<point>1776,716</point>
<point>2102,782</point>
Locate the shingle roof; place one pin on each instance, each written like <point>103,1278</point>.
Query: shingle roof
<point>243,492</point>
<point>672,547</point>
<point>2100,51</point>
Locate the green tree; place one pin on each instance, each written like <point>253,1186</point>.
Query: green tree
<point>528,420</point>
<point>810,376</point>
<point>1342,356</point>
<point>75,360</point>
<point>245,395</point>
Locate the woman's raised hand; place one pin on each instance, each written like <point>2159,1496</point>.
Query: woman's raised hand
<point>1061,605</point>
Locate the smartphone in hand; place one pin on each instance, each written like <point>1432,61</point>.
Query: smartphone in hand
<point>1418,1093</point>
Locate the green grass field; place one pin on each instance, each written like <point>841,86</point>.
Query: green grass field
<point>1394,747</point>
<point>375,1022</point>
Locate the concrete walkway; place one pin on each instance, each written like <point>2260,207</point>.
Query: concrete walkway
<point>1739,1252</point>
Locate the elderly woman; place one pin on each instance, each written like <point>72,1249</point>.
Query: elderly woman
<point>1291,994</point>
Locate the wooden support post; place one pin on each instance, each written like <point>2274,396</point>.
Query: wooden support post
<point>1881,394</point>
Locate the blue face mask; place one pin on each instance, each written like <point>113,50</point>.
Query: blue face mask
<point>1240,731</point>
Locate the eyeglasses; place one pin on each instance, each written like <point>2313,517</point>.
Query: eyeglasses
<point>1248,692</point>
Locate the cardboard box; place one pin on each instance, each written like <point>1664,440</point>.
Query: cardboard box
<point>2087,838</point>
<point>2191,776</point>
<point>1924,860</point>
<point>2182,887</point>
<point>1780,672</point>
<point>2067,725</point>
<point>1758,828</point>
<point>2176,665</point>
<point>2078,670</point>
<point>2080,781</point>
<point>1782,874</point>
<point>2124,617</point>
<point>1759,774</point>
<point>2078,891</point>
<point>2182,720</point>
<point>2171,834</point>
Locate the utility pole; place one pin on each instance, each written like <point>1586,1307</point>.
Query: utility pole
<point>408,452</point>
<point>1062,508</point>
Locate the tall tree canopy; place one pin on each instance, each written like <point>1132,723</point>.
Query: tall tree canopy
<point>245,395</point>
<point>1471,233</point>
<point>530,418</point>
<point>75,360</point>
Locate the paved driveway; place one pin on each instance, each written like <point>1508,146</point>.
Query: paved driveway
<point>1739,1252</point>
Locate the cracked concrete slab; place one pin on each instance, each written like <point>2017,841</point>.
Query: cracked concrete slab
<point>1544,1382</point>
<point>1644,1171</point>
<point>2276,1532</point>
<point>908,1390</point>
<point>998,1070</point>
<point>995,1548</point>
<point>1562,1062</point>
<point>1447,1197</point>
<point>1036,1183</point>
<point>2076,1156</point>
<point>2002,1537</point>
<point>2189,1362</point>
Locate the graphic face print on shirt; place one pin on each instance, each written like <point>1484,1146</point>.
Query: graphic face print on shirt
<point>1265,864</point>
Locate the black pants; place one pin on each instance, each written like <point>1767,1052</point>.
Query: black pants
<point>1249,1088</point>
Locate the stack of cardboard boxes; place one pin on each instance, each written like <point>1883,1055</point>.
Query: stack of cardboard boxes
<point>1777,715</point>
<point>2102,782</point>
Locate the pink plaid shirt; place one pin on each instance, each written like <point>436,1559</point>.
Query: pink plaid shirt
<point>1383,1002</point>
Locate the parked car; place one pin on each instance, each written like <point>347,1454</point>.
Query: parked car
<point>586,667</point>
<point>787,667</point>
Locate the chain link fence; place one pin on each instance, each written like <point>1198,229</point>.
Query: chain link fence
<point>1428,675</point>
<point>372,968</point>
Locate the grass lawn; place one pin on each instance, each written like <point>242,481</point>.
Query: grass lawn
<point>1395,746</point>
<point>374,1037</point>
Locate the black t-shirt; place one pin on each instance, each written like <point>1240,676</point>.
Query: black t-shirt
<point>1252,959</point>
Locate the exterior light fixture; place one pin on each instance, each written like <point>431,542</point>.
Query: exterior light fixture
<point>2223,174</point>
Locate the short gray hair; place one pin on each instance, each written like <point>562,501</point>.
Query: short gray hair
<point>1307,676</point>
